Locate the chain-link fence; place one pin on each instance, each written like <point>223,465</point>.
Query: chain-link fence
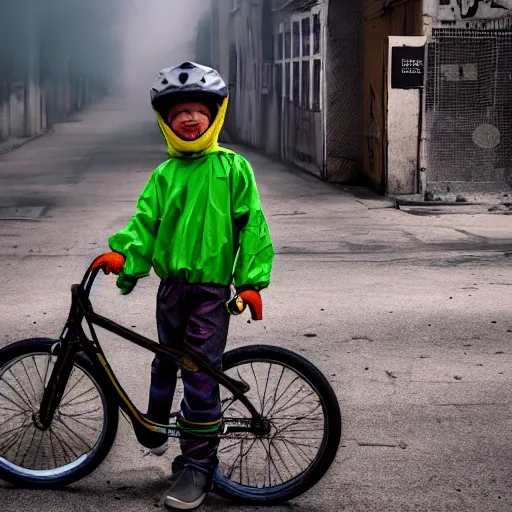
<point>469,106</point>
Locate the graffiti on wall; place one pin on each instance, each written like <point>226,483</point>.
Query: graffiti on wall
<point>455,10</point>
<point>373,132</point>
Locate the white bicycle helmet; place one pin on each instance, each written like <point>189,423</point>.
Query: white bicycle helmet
<point>188,82</point>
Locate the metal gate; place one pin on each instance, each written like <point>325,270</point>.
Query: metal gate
<point>469,106</point>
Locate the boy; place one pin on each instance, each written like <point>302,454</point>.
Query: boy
<point>199,224</point>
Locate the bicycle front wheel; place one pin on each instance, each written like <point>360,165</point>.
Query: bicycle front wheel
<point>301,409</point>
<point>83,429</point>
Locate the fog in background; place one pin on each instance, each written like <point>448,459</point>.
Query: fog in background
<point>157,34</point>
<point>57,57</point>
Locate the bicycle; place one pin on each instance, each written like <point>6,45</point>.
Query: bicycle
<point>60,401</point>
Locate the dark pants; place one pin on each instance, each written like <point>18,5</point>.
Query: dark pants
<point>195,314</point>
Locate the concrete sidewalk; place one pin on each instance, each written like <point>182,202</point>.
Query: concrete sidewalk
<point>409,316</point>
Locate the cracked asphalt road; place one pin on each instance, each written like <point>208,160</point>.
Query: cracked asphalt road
<point>412,316</point>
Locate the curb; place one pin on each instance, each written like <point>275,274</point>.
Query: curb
<point>24,142</point>
<point>405,202</point>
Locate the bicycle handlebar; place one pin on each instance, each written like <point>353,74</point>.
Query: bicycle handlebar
<point>89,276</point>
<point>249,297</point>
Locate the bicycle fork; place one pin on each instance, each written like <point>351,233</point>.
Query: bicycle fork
<point>54,391</point>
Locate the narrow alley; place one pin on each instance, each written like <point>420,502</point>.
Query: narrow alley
<point>409,314</point>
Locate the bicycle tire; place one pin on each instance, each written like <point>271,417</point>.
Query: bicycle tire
<point>41,346</point>
<point>332,426</point>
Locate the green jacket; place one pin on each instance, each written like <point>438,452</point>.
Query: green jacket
<point>199,220</point>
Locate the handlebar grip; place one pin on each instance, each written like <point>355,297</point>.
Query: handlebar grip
<point>98,263</point>
<point>253,300</point>
<point>111,262</point>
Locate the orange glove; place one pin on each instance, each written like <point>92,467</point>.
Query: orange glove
<point>110,262</point>
<point>251,298</point>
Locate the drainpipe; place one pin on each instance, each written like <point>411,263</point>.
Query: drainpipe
<point>429,10</point>
<point>324,54</point>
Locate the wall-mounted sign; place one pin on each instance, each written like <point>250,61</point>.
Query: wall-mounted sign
<point>407,67</point>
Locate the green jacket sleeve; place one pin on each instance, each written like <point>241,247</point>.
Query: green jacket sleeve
<point>136,241</point>
<point>255,254</point>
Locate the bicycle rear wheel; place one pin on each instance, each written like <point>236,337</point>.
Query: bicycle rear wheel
<point>82,431</point>
<point>300,406</point>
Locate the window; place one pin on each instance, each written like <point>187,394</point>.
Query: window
<point>306,81</point>
<point>279,80</point>
<point>296,83</point>
<point>288,80</point>
<point>288,44</point>
<point>306,37</point>
<point>296,39</point>
<point>317,33</point>
<point>266,77</point>
<point>317,84</point>
<point>299,63</point>
<point>280,48</point>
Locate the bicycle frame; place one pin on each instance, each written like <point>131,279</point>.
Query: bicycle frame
<point>73,339</point>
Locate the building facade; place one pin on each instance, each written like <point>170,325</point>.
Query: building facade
<point>451,133</point>
<point>468,96</point>
<point>410,97</point>
<point>294,71</point>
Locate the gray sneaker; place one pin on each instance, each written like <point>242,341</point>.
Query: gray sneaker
<point>188,491</point>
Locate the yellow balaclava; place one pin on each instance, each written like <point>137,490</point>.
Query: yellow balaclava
<point>207,143</point>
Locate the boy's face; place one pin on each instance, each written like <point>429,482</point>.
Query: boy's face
<point>189,120</point>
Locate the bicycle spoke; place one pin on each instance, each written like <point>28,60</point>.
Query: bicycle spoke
<point>53,449</point>
<point>64,447</point>
<point>287,407</point>
<point>306,445</point>
<point>245,455</point>
<point>6,437</point>
<point>20,443</point>
<point>265,392</point>
<point>293,457</point>
<point>238,456</point>
<point>84,424</point>
<point>300,451</point>
<point>17,415</point>
<point>21,387</point>
<point>13,410</point>
<point>30,381</point>
<point>65,404</point>
<point>28,449</point>
<point>37,369</point>
<point>12,430</point>
<point>74,385</point>
<point>225,449</point>
<point>10,442</point>
<point>269,455</point>
<point>294,421</point>
<point>38,448</point>
<point>70,433</point>
<point>283,393</point>
<point>230,401</point>
<point>48,361</point>
<point>278,384</point>
<point>83,413</point>
<point>30,408</point>
<point>14,403</point>
<point>257,385</point>
<point>282,460</point>
<point>67,435</point>
<point>241,460</point>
